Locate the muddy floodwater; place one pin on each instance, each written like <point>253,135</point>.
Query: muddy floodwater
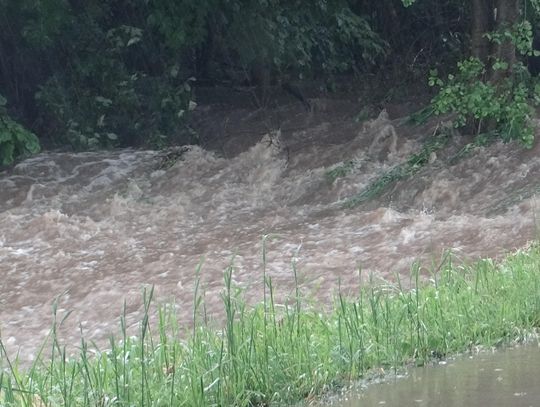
<point>500,379</point>
<point>92,229</point>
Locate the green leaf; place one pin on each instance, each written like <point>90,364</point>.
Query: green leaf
<point>103,101</point>
<point>6,153</point>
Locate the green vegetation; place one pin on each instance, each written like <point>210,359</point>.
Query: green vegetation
<point>273,353</point>
<point>492,90</point>
<point>414,163</point>
<point>15,140</point>
<point>411,166</point>
<point>504,108</point>
<point>100,74</point>
<point>341,170</point>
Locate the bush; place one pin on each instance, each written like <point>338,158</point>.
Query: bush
<point>15,140</point>
<point>106,99</point>
<point>482,103</point>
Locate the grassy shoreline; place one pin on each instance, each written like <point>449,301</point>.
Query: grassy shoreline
<point>274,354</point>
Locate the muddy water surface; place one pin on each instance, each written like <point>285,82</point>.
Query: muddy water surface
<point>94,228</point>
<point>500,379</point>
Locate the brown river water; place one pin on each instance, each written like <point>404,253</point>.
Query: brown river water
<point>502,379</point>
<point>94,228</point>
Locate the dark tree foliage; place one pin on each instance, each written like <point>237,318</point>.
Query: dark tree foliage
<point>96,74</point>
<point>430,34</point>
<point>105,73</point>
<point>492,92</point>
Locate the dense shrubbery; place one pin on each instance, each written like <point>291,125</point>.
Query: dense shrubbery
<point>102,74</point>
<point>503,106</point>
<point>109,90</point>
<point>15,140</point>
<point>94,74</point>
<point>480,105</point>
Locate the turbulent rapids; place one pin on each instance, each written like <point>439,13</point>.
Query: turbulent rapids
<point>92,229</point>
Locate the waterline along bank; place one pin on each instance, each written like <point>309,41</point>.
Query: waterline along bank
<point>271,354</point>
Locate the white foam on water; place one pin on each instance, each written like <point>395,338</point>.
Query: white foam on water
<point>93,229</point>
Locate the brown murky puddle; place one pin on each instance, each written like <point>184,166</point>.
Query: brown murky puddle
<point>95,228</point>
<point>509,378</point>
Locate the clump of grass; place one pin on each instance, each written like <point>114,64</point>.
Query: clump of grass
<point>422,116</point>
<point>414,163</point>
<point>481,140</point>
<point>341,170</point>
<point>407,169</point>
<point>281,353</point>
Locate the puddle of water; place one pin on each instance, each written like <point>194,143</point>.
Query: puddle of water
<point>500,379</point>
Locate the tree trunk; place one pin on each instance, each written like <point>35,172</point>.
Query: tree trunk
<point>482,22</point>
<point>507,14</point>
<point>494,16</point>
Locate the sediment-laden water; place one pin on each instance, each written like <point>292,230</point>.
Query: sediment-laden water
<point>94,228</point>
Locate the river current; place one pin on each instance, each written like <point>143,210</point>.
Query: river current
<point>92,229</point>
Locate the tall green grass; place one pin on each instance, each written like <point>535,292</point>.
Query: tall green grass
<point>281,353</point>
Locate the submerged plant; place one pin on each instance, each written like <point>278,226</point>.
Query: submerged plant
<point>414,163</point>
<point>341,170</point>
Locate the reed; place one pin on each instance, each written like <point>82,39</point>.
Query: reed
<point>272,353</point>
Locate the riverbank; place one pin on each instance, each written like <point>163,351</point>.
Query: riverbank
<point>273,353</point>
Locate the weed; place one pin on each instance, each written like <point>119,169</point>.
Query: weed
<point>270,353</point>
<point>341,170</point>
<point>410,167</point>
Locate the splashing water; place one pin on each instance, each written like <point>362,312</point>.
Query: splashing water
<point>96,227</point>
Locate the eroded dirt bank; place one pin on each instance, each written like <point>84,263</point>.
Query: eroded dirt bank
<point>96,227</point>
